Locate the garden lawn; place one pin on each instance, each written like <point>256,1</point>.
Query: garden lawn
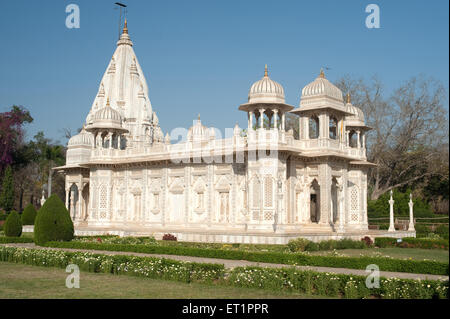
<point>23,281</point>
<point>394,252</point>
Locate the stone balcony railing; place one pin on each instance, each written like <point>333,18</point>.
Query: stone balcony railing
<point>256,139</point>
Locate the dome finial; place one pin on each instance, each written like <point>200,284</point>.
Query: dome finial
<point>198,117</point>
<point>348,98</point>
<point>107,101</point>
<point>266,73</point>
<point>321,74</point>
<point>125,28</point>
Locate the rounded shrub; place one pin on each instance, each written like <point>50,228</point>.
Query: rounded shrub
<point>298,244</point>
<point>29,215</point>
<point>53,222</point>
<point>13,225</point>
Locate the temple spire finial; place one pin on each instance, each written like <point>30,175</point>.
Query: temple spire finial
<point>321,74</point>
<point>266,73</point>
<point>198,117</point>
<point>125,27</point>
<point>107,101</point>
<point>348,98</point>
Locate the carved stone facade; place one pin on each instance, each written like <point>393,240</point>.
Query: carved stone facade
<point>260,186</point>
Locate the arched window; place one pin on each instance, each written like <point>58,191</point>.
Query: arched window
<point>353,139</point>
<point>123,142</point>
<point>333,127</point>
<point>115,141</point>
<point>313,127</point>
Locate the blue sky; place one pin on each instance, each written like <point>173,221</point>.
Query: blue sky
<point>202,56</point>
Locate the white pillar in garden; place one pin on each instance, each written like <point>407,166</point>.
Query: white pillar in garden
<point>42,199</point>
<point>411,214</point>
<point>391,214</point>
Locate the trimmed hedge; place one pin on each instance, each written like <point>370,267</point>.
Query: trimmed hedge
<point>13,225</point>
<point>384,263</point>
<point>411,242</point>
<point>286,279</point>
<point>303,244</point>
<point>29,215</point>
<point>21,240</point>
<point>53,222</point>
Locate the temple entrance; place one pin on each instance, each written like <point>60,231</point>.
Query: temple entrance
<point>85,208</point>
<point>334,201</point>
<point>314,206</point>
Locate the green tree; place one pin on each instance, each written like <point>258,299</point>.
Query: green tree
<point>13,225</point>
<point>7,194</point>
<point>29,215</point>
<point>53,222</point>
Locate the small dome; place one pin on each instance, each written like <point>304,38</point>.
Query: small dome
<point>321,86</point>
<point>266,91</point>
<point>107,114</point>
<point>357,114</point>
<point>198,131</point>
<point>83,138</point>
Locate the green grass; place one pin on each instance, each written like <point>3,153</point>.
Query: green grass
<point>23,281</point>
<point>394,252</point>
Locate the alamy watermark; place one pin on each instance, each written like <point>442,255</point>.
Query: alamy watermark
<point>73,17</point>
<point>373,279</point>
<point>73,280</point>
<point>373,19</point>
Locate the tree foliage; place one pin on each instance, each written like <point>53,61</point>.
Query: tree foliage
<point>11,133</point>
<point>409,140</point>
<point>29,215</point>
<point>7,193</point>
<point>13,225</point>
<point>53,222</point>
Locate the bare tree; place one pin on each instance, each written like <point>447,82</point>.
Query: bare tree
<point>410,130</point>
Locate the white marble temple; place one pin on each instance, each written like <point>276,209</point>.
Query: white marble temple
<point>261,185</point>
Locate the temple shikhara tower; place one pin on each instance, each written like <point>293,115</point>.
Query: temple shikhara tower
<point>261,184</point>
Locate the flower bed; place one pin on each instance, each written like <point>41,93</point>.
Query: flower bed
<point>384,263</point>
<point>158,268</point>
<point>411,242</point>
<point>286,279</point>
<point>334,285</point>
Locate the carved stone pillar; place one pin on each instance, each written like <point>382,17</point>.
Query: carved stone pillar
<point>325,192</point>
<point>275,119</point>
<point>67,198</point>
<point>261,118</point>
<point>358,134</point>
<point>411,214</point>
<point>79,203</point>
<point>391,214</point>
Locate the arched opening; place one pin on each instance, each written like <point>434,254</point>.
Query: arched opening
<point>353,139</point>
<point>73,201</point>
<point>85,195</point>
<point>314,202</point>
<point>123,142</point>
<point>333,128</point>
<point>334,201</point>
<point>105,141</point>
<point>115,141</point>
<point>314,127</point>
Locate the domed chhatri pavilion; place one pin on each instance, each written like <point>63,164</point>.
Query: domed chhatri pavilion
<point>258,185</point>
